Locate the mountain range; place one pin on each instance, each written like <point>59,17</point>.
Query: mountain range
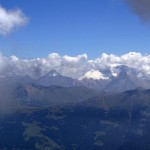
<point>102,81</point>
<point>56,112</point>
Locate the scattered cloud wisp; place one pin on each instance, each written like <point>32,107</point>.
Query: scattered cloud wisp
<point>10,19</point>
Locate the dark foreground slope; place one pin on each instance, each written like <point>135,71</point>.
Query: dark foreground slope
<point>110,122</point>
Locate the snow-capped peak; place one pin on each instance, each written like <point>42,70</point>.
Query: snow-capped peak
<point>53,73</point>
<point>95,75</point>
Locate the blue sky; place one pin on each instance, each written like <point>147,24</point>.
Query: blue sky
<point>73,27</point>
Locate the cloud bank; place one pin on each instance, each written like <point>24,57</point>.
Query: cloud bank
<point>10,19</point>
<point>140,8</point>
<point>75,67</point>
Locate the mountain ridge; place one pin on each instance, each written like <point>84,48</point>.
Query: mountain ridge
<point>126,79</point>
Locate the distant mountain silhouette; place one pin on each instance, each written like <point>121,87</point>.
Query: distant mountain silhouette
<point>55,78</point>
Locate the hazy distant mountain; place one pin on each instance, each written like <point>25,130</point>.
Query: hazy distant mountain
<point>102,81</point>
<point>55,78</point>
<point>127,79</point>
<point>98,85</point>
<point>13,78</point>
<point>9,82</point>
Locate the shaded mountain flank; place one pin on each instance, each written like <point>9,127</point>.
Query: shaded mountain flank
<point>106,121</point>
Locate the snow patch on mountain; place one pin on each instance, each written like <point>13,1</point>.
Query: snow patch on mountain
<point>53,73</point>
<point>95,75</point>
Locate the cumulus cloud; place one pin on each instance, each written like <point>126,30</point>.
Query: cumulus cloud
<point>140,8</point>
<point>78,66</point>
<point>10,19</point>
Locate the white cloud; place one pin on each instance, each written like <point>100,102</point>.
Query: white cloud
<point>77,66</point>
<point>76,60</point>
<point>9,19</point>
